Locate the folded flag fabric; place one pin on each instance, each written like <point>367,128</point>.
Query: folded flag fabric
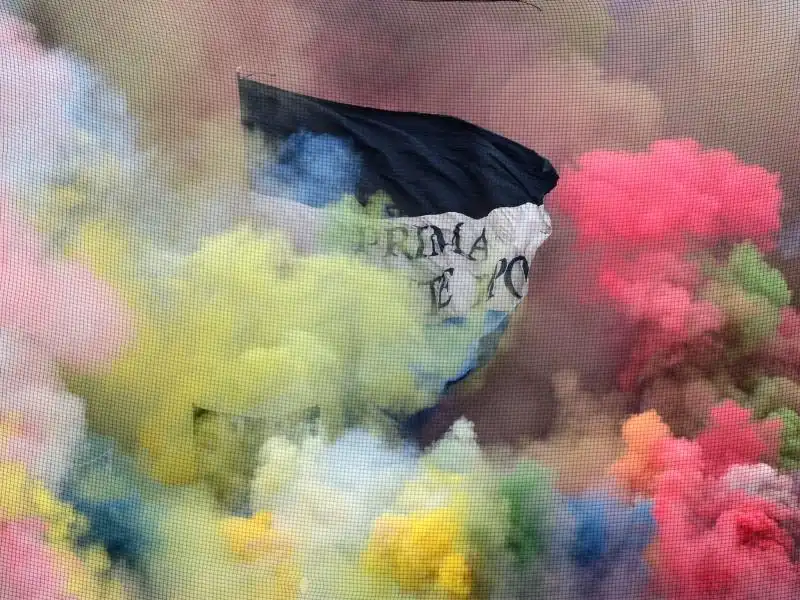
<point>465,210</point>
<point>460,214</point>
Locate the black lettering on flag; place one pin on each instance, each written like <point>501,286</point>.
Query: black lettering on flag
<point>509,280</point>
<point>440,290</point>
<point>420,242</point>
<point>480,245</point>
<point>364,239</point>
<point>439,243</point>
<point>393,243</point>
<point>499,269</point>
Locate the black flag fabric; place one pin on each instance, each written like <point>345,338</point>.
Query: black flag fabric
<point>427,164</point>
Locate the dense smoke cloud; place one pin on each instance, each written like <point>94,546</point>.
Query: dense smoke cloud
<point>673,126</point>
<point>727,75</point>
<point>495,64</point>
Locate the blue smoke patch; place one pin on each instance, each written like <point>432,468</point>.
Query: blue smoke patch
<point>105,488</point>
<point>480,352</point>
<point>313,169</point>
<point>116,524</point>
<point>609,540</point>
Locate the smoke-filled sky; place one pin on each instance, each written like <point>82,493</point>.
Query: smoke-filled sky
<point>566,79</point>
<point>563,80</point>
<point>674,127</point>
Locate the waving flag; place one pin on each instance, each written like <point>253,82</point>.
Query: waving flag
<point>463,213</point>
<point>464,202</point>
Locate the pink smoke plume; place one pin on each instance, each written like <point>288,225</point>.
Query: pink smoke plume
<point>718,543</point>
<point>51,312</point>
<point>715,539</point>
<point>728,74</point>
<point>639,216</point>
<point>60,306</point>
<point>731,438</point>
<point>28,568</point>
<point>75,318</point>
<point>676,196</point>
